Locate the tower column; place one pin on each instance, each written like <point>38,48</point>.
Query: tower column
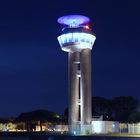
<point>73,61</point>
<point>77,39</point>
<point>86,113</point>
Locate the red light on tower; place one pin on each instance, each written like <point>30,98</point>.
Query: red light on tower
<point>87,27</point>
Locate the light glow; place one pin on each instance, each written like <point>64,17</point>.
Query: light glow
<point>97,127</point>
<point>73,20</point>
<point>86,27</point>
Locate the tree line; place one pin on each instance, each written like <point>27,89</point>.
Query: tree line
<point>122,109</point>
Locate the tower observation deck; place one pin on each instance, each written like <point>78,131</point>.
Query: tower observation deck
<point>77,39</point>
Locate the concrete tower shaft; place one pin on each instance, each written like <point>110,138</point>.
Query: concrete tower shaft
<point>79,90</point>
<point>73,108</point>
<point>86,86</point>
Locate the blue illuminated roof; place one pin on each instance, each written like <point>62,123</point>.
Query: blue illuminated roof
<point>73,20</point>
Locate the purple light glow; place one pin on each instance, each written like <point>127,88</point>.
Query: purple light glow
<point>73,20</point>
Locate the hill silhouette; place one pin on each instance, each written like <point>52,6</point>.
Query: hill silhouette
<point>39,115</point>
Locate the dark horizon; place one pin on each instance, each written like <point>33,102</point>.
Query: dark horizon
<point>33,69</point>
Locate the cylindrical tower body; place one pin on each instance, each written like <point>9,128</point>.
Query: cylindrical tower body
<point>86,89</point>
<point>78,40</point>
<point>73,108</point>
<point>86,85</point>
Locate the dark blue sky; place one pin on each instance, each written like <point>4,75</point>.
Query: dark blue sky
<point>33,69</point>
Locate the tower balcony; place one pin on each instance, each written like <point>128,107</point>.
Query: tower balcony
<point>76,41</point>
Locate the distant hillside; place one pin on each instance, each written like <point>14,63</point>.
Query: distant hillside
<point>39,115</point>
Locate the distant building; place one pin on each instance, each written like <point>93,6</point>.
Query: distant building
<point>7,125</point>
<point>103,127</point>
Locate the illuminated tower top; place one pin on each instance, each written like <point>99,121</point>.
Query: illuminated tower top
<point>73,20</point>
<point>76,35</point>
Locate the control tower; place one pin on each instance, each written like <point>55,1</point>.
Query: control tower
<point>77,39</point>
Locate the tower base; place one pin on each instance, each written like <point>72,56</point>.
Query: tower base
<point>80,129</point>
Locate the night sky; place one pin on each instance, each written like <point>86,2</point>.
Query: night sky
<point>33,69</point>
